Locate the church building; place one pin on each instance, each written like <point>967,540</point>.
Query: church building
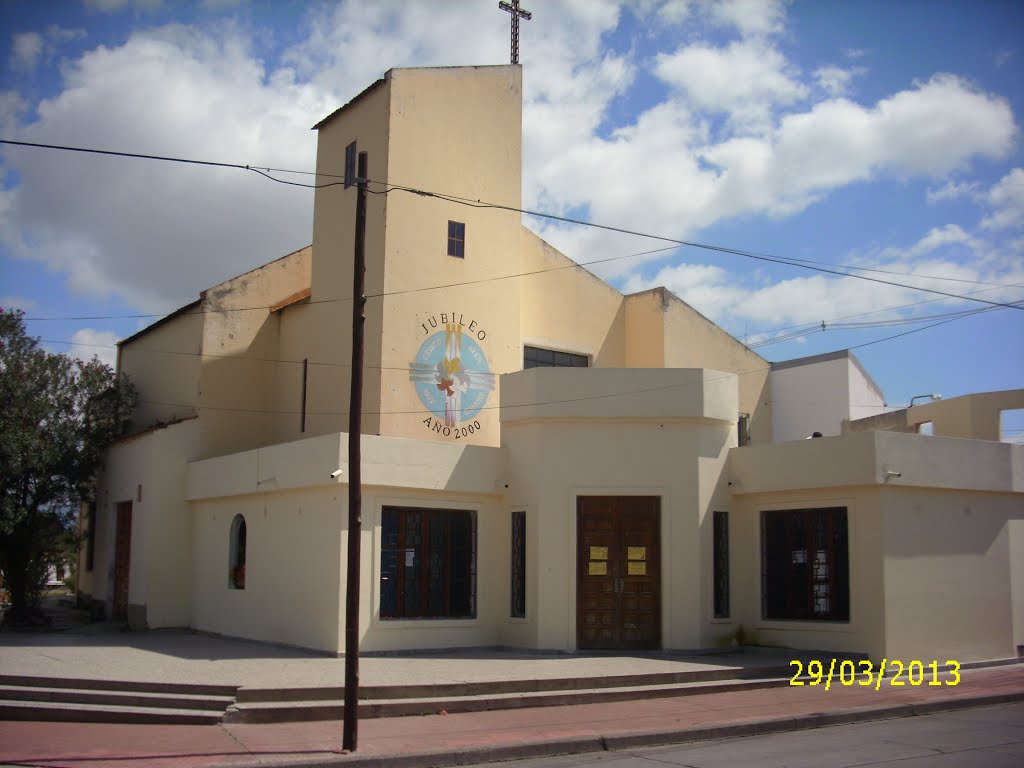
<point>546,462</point>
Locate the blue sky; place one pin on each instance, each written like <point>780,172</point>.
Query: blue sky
<point>880,135</point>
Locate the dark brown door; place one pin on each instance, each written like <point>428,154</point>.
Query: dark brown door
<point>618,592</point>
<point>122,560</point>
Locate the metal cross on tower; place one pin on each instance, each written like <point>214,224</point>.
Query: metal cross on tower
<point>516,12</point>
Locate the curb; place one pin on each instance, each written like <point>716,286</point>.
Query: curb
<point>623,741</point>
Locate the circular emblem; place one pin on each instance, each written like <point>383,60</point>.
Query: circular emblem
<point>451,376</point>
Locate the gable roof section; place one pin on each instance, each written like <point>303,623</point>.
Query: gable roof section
<point>358,97</point>
<point>162,321</point>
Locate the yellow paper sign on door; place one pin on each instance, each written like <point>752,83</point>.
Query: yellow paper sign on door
<point>636,553</point>
<point>599,553</point>
<point>636,569</point>
<point>598,568</point>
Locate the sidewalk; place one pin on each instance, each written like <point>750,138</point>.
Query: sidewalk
<point>495,735</point>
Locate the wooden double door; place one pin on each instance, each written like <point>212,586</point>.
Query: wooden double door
<point>618,573</point>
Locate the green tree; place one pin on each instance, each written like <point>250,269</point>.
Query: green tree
<point>57,415</point>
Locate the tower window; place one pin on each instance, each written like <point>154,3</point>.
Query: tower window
<point>350,165</point>
<point>457,239</point>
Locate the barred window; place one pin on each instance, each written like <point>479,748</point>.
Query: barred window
<point>236,557</point>
<point>805,565</point>
<point>428,564</point>
<point>517,609</point>
<point>721,564</point>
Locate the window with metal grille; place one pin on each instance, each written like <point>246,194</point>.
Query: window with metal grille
<point>90,540</point>
<point>457,239</point>
<point>535,357</point>
<point>350,165</point>
<point>721,564</point>
<point>428,563</point>
<point>236,554</point>
<point>743,430</point>
<point>517,609</point>
<point>805,565</point>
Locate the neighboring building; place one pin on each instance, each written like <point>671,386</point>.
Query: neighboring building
<point>818,393</point>
<point>546,463</point>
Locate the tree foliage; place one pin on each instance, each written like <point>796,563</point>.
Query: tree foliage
<point>57,415</point>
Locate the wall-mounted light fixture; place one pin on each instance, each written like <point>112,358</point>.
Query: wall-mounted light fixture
<point>918,397</point>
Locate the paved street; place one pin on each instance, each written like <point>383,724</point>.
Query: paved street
<point>986,737</point>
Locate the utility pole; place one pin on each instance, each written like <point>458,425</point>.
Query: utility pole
<point>355,490</point>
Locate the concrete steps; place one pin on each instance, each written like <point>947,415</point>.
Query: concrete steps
<point>286,705</point>
<point>112,701</point>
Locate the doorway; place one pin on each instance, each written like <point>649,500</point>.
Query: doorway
<point>618,573</point>
<point>122,560</point>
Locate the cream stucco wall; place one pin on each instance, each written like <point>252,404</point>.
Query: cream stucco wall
<point>565,308</point>
<point>948,581</point>
<point>455,131</point>
<point>657,433</point>
<point>932,541</point>
<point>297,519</point>
<point>817,394</point>
<point>241,353</point>
<point>974,416</point>
<point>293,567</point>
<point>663,331</point>
<point>164,362</point>
<point>865,631</point>
<point>147,470</point>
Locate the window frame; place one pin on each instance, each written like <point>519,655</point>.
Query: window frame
<point>396,563</point>
<point>517,566</point>
<point>457,239</point>
<point>541,357</point>
<point>793,540</point>
<point>237,545</point>
<point>90,536</point>
<point>721,587</point>
<point>743,430</point>
<point>351,156</point>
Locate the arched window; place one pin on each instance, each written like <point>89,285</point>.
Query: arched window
<point>236,559</point>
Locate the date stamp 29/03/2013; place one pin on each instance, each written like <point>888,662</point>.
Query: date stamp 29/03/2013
<point>863,673</point>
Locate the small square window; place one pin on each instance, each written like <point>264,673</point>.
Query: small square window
<point>350,165</point>
<point>457,239</point>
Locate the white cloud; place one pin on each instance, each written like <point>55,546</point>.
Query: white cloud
<point>87,343</point>
<point>750,17</point>
<point>675,11</point>
<point>744,80</point>
<point>156,234</point>
<point>932,129</point>
<point>26,48</point>
<point>835,81</point>
<point>1007,201</point>
<point>935,261</point>
<point>952,190</point>
<point>113,6</point>
<point>29,49</point>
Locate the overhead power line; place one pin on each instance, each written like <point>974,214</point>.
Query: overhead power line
<point>266,172</point>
